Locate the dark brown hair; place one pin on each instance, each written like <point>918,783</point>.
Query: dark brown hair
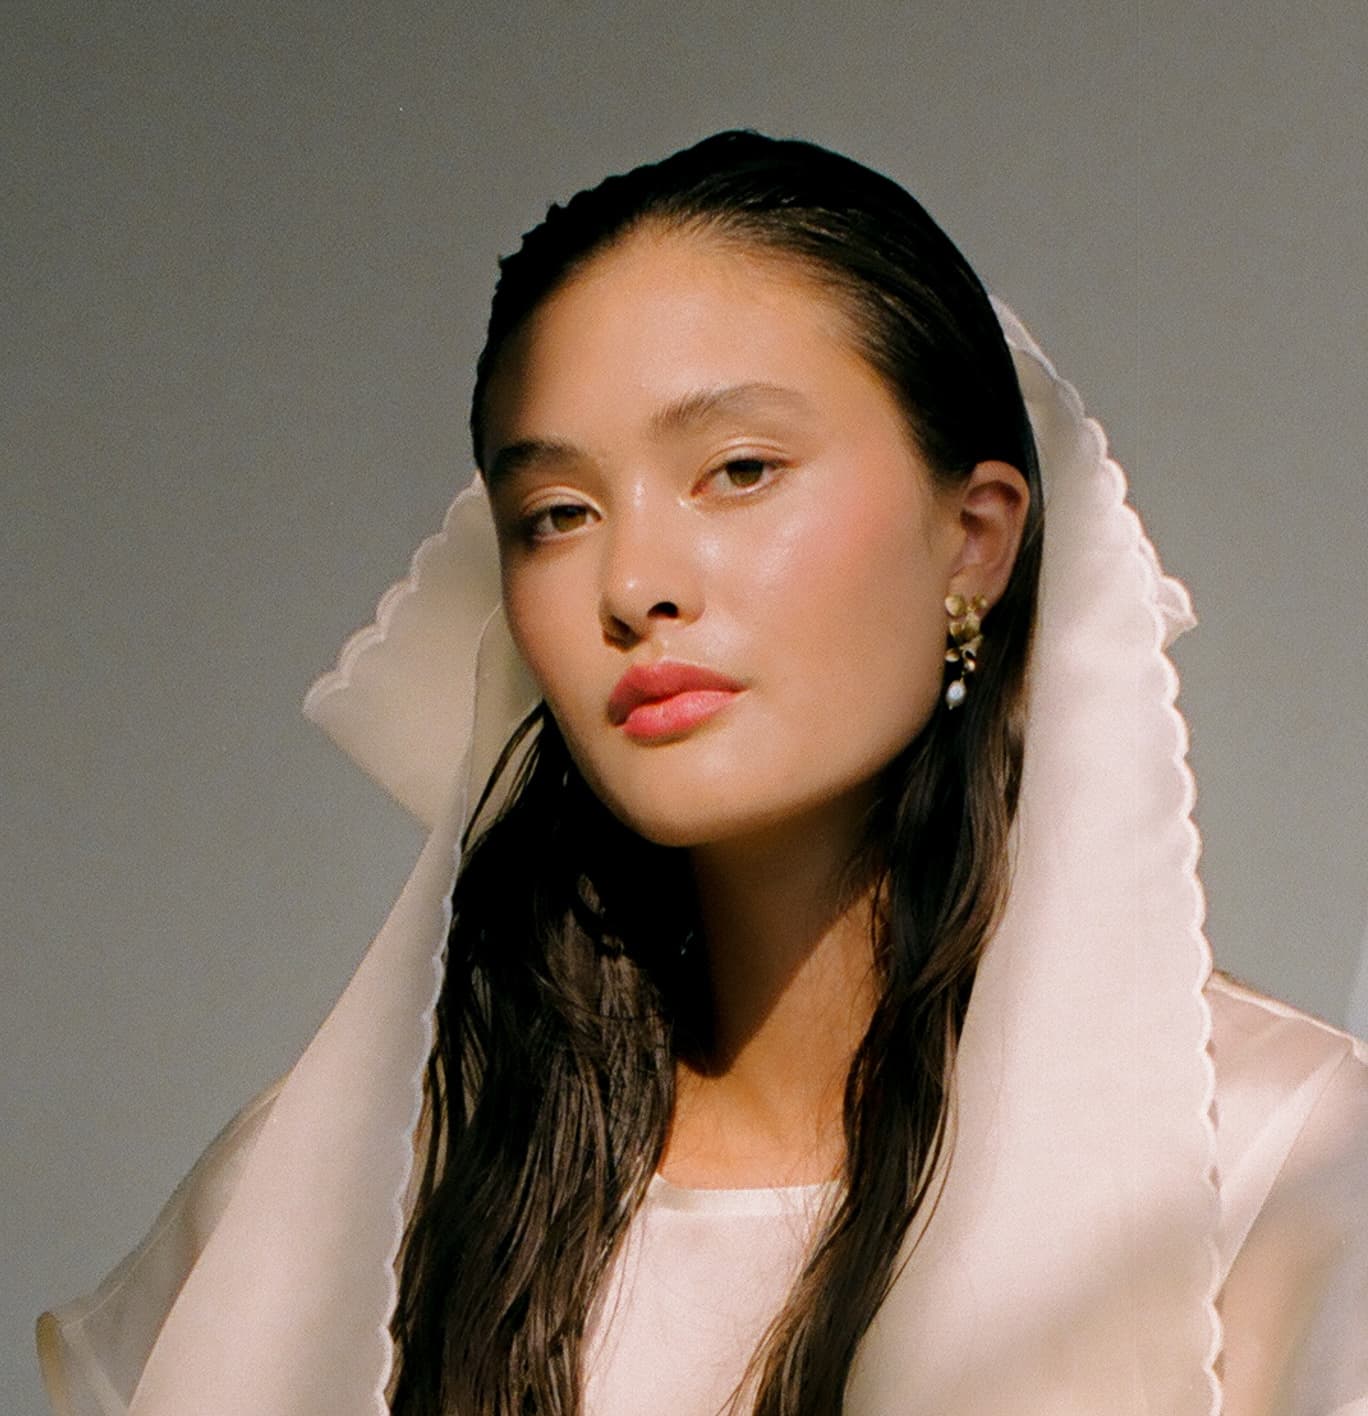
<point>569,991</point>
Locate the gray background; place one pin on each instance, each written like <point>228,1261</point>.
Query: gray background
<point>248,254</point>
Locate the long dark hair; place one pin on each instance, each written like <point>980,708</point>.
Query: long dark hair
<point>569,994</point>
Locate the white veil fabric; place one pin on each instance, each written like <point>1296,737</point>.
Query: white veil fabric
<point>1096,1202</point>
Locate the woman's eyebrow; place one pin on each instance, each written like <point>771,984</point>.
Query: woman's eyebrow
<point>679,415</point>
<point>694,408</point>
<point>518,456</point>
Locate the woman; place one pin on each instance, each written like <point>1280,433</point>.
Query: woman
<point>826,1021</point>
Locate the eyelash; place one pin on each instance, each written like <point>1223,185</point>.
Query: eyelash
<point>527,527</point>
<point>765,463</point>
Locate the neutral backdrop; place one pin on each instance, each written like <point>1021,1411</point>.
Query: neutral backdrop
<point>248,251</point>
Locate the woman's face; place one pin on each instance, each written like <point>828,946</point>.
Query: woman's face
<point>690,465</point>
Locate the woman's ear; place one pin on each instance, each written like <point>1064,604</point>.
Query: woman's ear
<point>992,502</point>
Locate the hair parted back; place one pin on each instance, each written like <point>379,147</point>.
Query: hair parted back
<point>568,996</point>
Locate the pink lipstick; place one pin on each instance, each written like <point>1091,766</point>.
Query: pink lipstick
<point>667,699</point>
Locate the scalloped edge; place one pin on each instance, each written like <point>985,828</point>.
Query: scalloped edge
<point>427,1021</point>
<point>1167,627</point>
<point>374,634</point>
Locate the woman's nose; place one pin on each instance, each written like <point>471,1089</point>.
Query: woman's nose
<point>650,571</point>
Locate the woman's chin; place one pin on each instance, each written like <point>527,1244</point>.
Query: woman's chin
<point>693,822</point>
<point>721,794</point>
<point>687,820</point>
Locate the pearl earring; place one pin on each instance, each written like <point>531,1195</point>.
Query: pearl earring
<point>966,640</point>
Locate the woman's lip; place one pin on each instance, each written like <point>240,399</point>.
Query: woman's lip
<point>653,684</point>
<point>669,717</point>
<point>674,715</point>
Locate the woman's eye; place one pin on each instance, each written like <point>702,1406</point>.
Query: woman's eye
<point>745,472</point>
<point>552,521</point>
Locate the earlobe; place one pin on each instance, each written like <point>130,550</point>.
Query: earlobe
<point>993,502</point>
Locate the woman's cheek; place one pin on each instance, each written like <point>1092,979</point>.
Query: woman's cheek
<point>540,621</point>
<point>866,597</point>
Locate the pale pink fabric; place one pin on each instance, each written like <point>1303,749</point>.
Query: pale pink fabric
<point>704,1271</point>
<point>1096,1201</point>
<point>700,1276</point>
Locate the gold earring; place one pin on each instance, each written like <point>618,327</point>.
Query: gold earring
<point>967,638</point>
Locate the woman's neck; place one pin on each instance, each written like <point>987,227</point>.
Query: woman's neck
<point>790,965</point>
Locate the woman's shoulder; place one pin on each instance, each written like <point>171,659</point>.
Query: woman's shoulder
<point>1291,1115</point>
<point>1276,1067</point>
<point>1290,1102</point>
<point>1262,1049</point>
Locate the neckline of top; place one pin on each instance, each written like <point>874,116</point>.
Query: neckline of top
<point>769,1199</point>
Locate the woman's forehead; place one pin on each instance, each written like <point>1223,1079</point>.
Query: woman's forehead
<point>667,323</point>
